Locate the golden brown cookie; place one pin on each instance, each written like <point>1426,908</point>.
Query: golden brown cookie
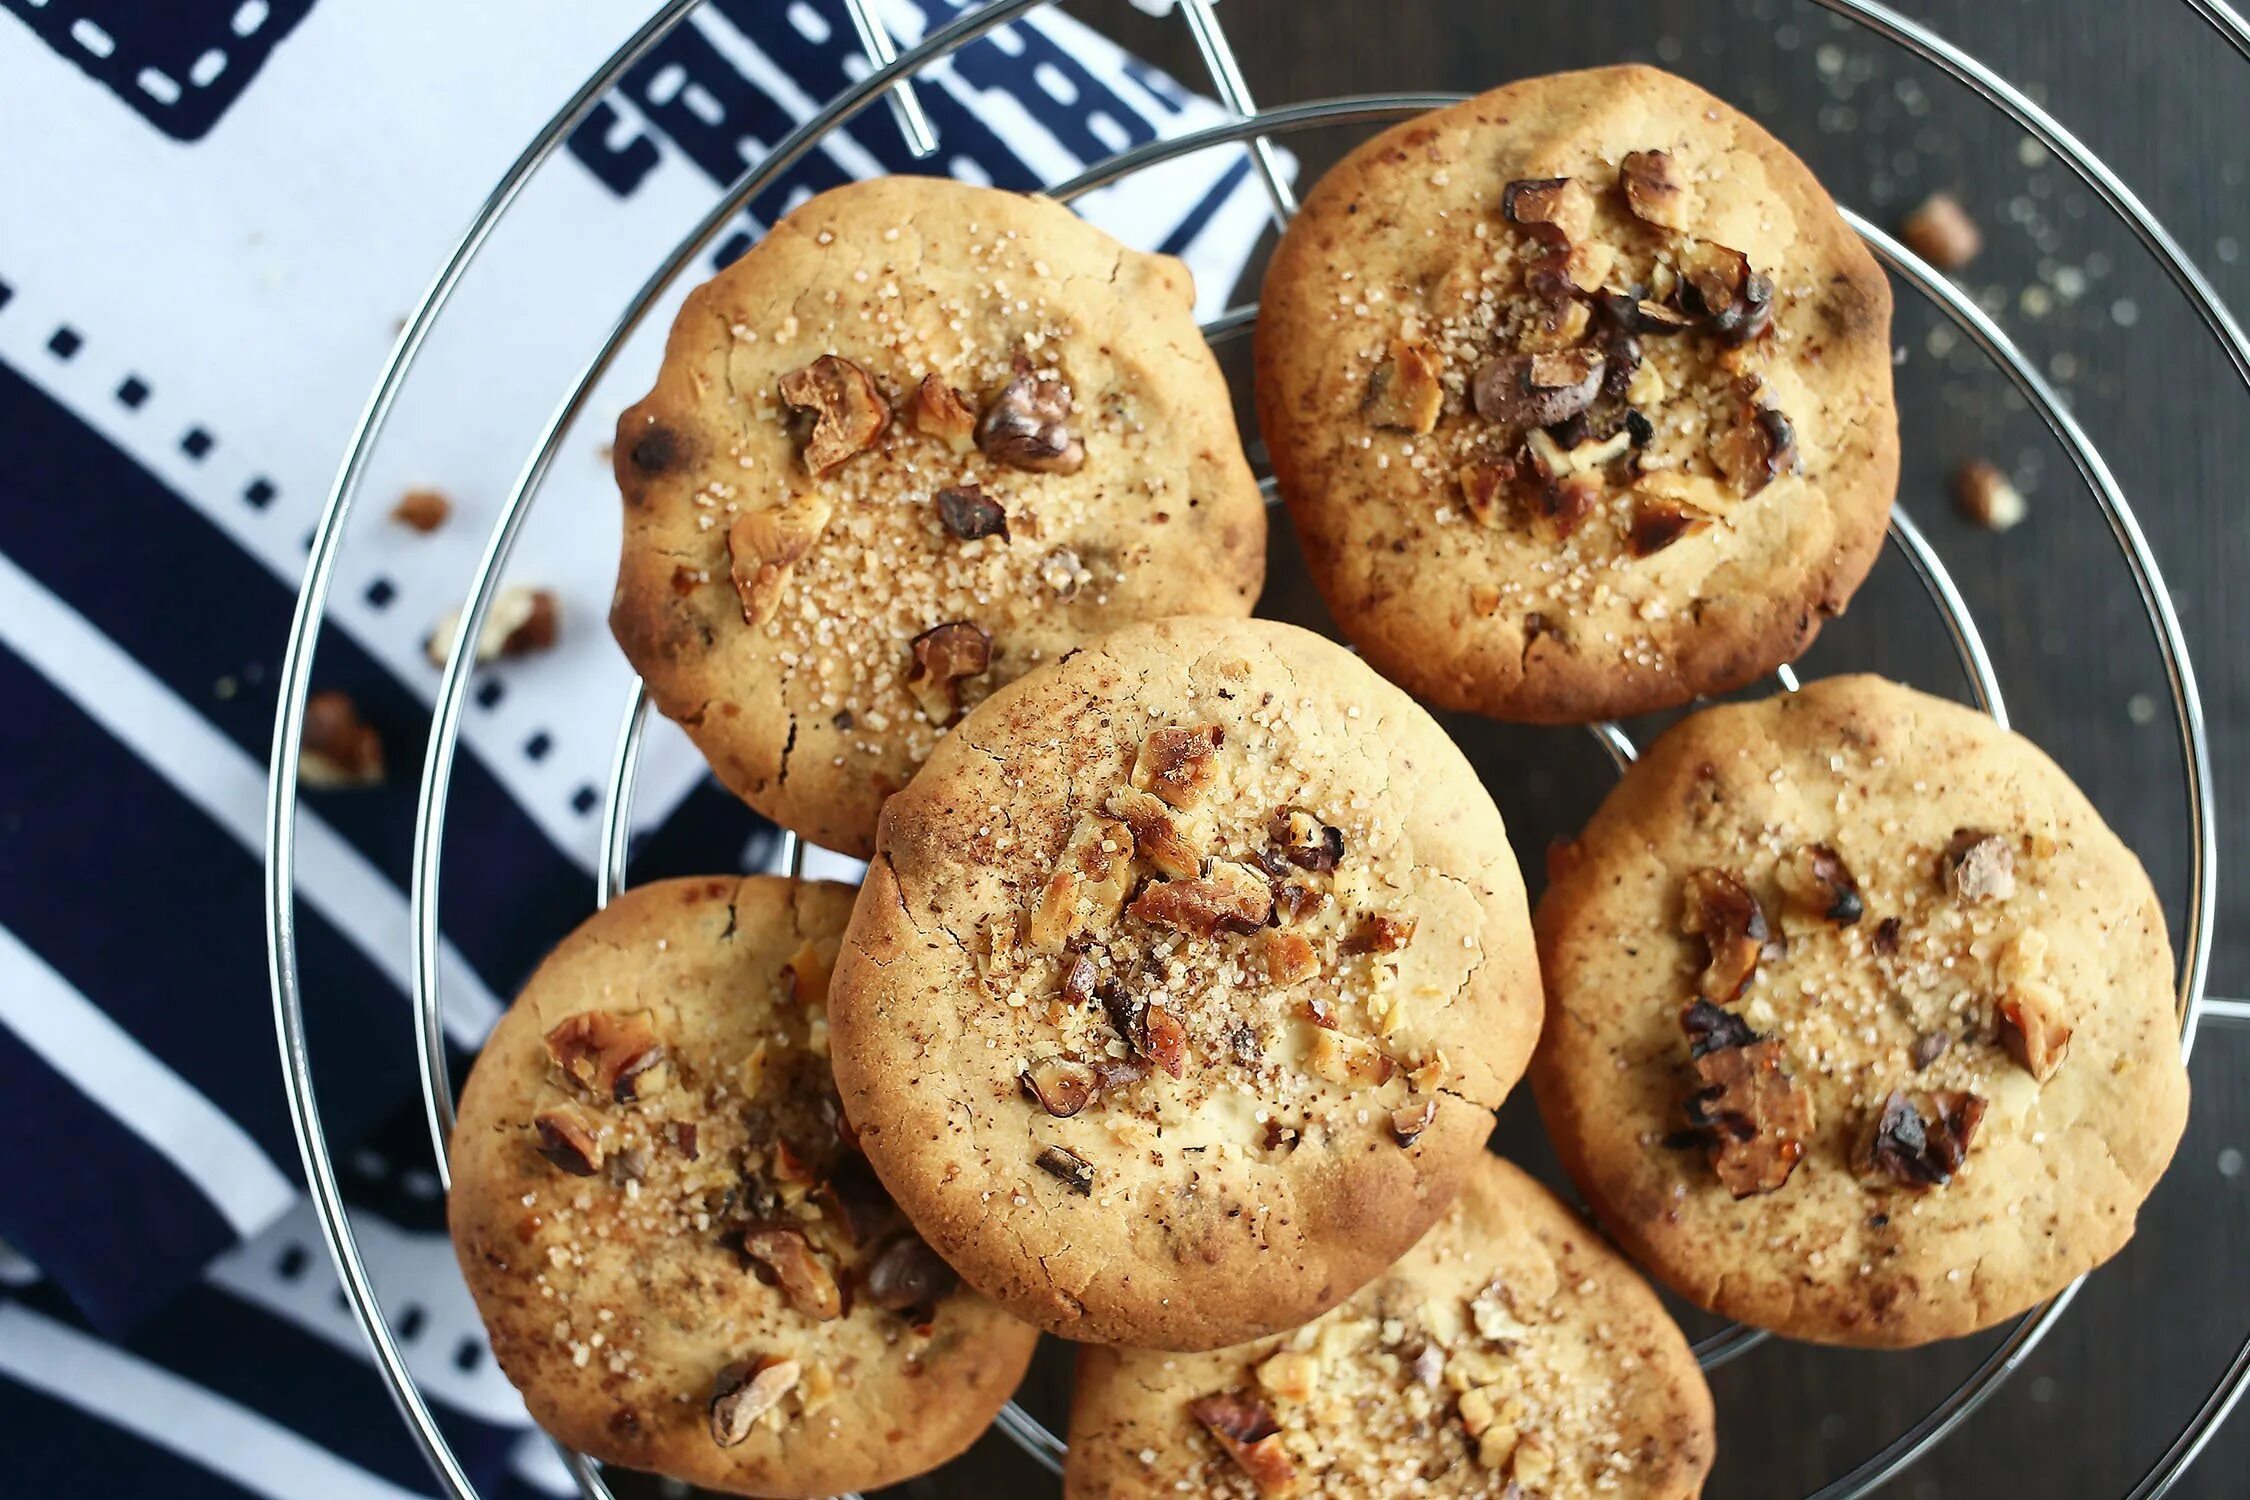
<point>1860,1020</point>
<point>1580,396</point>
<point>1184,984</point>
<point>920,439</point>
<point>683,1263</point>
<point>1510,1355</point>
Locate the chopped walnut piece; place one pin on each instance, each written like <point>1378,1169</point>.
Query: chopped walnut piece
<point>1161,1037</point>
<point>567,1138</point>
<point>1920,1140</point>
<point>340,748</point>
<point>806,1282</point>
<point>1347,1061</point>
<point>423,510</point>
<point>907,1276</point>
<point>609,1055</point>
<point>1817,883</point>
<point>1977,866</point>
<point>1711,1028</point>
<point>1984,494</point>
<point>1733,926</point>
<point>945,656</point>
<point>1561,203</point>
<point>521,622</point>
<point>1068,1167</point>
<point>1157,836</point>
<point>1291,1374</point>
<point>1757,447</point>
<point>745,1391</point>
<point>1720,290</point>
<point>1885,941</point>
<point>1062,1085</point>
<point>943,413</point>
<point>1179,764</point>
<point>1485,489</point>
<point>804,979</point>
<point>1250,1436</point>
<point>970,514</point>
<point>1088,886</point>
<point>1537,390</point>
<point>1656,190</point>
<point>1658,522</point>
<point>1232,898</point>
<point>1532,1465</point>
<point>2032,1027</point>
<point>1025,427</point>
<point>1942,233</point>
<point>1290,957</point>
<point>1380,932</point>
<point>848,412</point>
<point>763,546</point>
<point>1405,392</point>
<point>1928,1048</point>
<point>1294,901</point>
<point>1753,1118</point>
<point>1554,461</point>
<point>1304,841</point>
<point>1408,1121</point>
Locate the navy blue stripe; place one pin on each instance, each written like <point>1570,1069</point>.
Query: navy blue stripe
<point>708,832</point>
<point>56,1447</point>
<point>1178,241</point>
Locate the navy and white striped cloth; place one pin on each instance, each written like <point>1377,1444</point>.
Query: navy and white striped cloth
<point>216,211</point>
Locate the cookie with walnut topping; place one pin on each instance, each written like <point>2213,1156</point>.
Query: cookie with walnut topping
<point>1510,1355</point>
<point>920,439</point>
<point>1184,984</point>
<point>684,1264</point>
<point>1580,396</point>
<point>1860,1021</point>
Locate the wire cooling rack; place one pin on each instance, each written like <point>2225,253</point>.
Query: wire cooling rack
<point>891,77</point>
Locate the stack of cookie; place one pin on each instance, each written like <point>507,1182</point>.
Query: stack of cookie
<point>1192,959</point>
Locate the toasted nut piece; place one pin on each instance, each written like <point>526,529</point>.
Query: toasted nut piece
<point>1986,497</point>
<point>1178,764</point>
<point>1380,932</point>
<point>848,412</point>
<point>1405,391</point>
<point>609,1055</point>
<point>1024,427</point>
<point>1977,866</point>
<point>804,979</point>
<point>1071,1169</point>
<point>806,1283</point>
<point>1564,326</point>
<point>1293,901</point>
<point>745,1391</point>
<point>1408,1121</point>
<point>1152,1031</point>
<point>1533,1464</point>
<point>1815,880</point>
<point>1554,461</point>
<point>423,510</point>
<point>1088,886</point>
<point>1658,523</point>
<point>943,413</point>
<point>1252,1438</point>
<point>1484,489</point>
<point>1757,448</point>
<point>521,622</point>
<point>1753,1118</point>
<point>1655,189</point>
<point>1232,898</point>
<point>1348,1061</point>
<point>1697,493</point>
<point>970,514</point>
<point>1919,1140</point>
<point>1564,504</point>
<point>1304,840</point>
<point>1537,390</point>
<point>1290,957</point>
<point>1562,203</point>
<point>1643,315</point>
<point>567,1138</point>
<point>1062,1085</point>
<point>764,545</point>
<point>1719,290</point>
<point>907,1276</point>
<point>1157,836</point>
<point>1733,926</point>
<point>2032,1027</point>
<point>945,656</point>
<point>340,748</point>
<point>1291,1374</point>
<point>1942,233</point>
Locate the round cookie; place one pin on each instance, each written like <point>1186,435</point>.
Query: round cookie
<point>1510,1354</point>
<point>1185,981</point>
<point>683,1264</point>
<point>1580,396</point>
<point>1860,1020</point>
<point>919,439</point>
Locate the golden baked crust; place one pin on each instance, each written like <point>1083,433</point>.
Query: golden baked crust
<point>1691,555</point>
<point>1510,1354</point>
<point>813,714</point>
<point>1239,913</point>
<point>615,1299</point>
<point>1988,905</point>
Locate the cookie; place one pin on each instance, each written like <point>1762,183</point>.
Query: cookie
<point>1184,984</point>
<point>683,1263</point>
<point>1860,1021</point>
<point>1580,396</point>
<point>920,439</point>
<point>1510,1354</point>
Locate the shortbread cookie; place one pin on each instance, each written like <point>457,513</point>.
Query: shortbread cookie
<point>1511,1355</point>
<point>1580,396</point>
<point>1860,1021</point>
<point>920,439</point>
<point>684,1263</point>
<point>1184,984</point>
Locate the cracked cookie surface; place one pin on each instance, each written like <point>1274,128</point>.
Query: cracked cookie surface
<point>1580,396</point>
<point>921,438</point>
<point>684,1264</point>
<point>1184,984</point>
<point>1860,1020</point>
<point>1510,1355</point>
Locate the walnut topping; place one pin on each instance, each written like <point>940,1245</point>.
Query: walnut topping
<point>1928,1048</point>
<point>1290,957</point>
<point>1232,898</point>
<point>522,621</point>
<point>908,1276</point>
<point>1560,203</point>
<point>1246,1430</point>
<point>1658,522</point>
<point>1157,836</point>
<point>340,748</point>
<point>1757,447</point>
<point>423,510</point>
<point>609,1055</point>
<point>1293,900</point>
<point>945,656</point>
<point>1978,866</point>
<point>1153,1031</point>
<point>1088,886</point>
<point>1817,883</point>
<point>1986,496</point>
<point>1379,932</point>
<point>1408,1121</point>
<point>806,1283</point>
<point>1404,391</point>
<point>1062,1085</point>
<point>764,545</point>
<point>1305,841</point>
<point>1347,1061</point>
<point>1752,1118</point>
<point>1024,427</point>
<point>1920,1140</point>
<point>1485,488</point>
<point>567,1139</point>
<point>970,514</point>
<point>1942,233</point>
<point>943,413</point>
<point>1068,1167</point>
<point>1655,190</point>
<point>1719,288</point>
<point>1711,1029</point>
<point>848,412</point>
<point>1733,927</point>
<point>2032,1027</point>
<point>1292,1374</point>
<point>1178,764</point>
<point>1537,390</point>
<point>745,1391</point>
<point>804,979</point>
